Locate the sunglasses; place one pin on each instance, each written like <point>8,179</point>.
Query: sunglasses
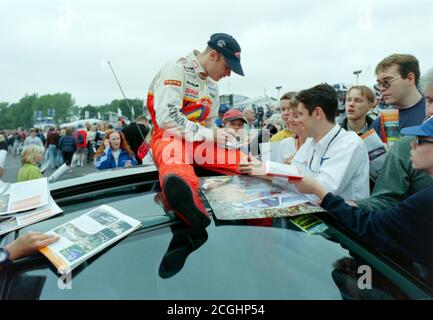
<point>420,141</point>
<point>386,83</point>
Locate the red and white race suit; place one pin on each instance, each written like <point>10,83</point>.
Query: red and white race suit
<point>180,97</point>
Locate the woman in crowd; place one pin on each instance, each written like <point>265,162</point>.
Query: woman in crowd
<point>289,146</point>
<point>359,101</point>
<point>68,145</point>
<point>115,152</point>
<point>405,230</point>
<point>30,156</point>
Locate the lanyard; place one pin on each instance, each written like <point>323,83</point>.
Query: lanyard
<point>324,154</point>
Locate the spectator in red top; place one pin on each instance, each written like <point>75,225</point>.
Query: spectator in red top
<point>81,137</point>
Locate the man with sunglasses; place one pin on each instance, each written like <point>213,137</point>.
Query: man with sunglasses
<point>397,81</point>
<point>183,102</point>
<point>398,179</point>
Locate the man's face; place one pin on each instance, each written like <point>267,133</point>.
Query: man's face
<point>285,111</point>
<point>306,121</point>
<point>421,154</point>
<point>217,66</point>
<point>357,105</point>
<point>250,115</point>
<point>429,102</point>
<point>33,134</point>
<point>236,125</point>
<point>398,88</point>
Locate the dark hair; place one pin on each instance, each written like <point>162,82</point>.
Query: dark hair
<point>406,63</point>
<point>323,96</point>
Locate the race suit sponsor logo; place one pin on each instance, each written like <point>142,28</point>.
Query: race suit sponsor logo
<point>176,83</point>
<point>176,116</point>
<point>195,85</point>
<point>191,93</point>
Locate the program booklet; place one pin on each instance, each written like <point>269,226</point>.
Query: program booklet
<point>23,196</point>
<point>16,221</point>
<point>247,197</point>
<point>83,237</point>
<point>390,119</point>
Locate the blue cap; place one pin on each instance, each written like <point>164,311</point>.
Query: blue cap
<point>424,130</point>
<point>229,48</point>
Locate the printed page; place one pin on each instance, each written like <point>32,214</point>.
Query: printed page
<point>245,197</point>
<point>28,195</point>
<point>10,223</point>
<point>86,235</point>
<point>283,170</point>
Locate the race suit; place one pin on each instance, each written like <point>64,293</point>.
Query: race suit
<point>179,97</point>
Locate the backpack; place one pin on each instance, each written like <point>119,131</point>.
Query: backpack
<point>80,138</point>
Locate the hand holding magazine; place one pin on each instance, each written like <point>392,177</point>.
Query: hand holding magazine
<point>282,170</point>
<point>83,237</point>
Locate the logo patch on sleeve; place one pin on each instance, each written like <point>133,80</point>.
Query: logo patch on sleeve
<point>172,83</point>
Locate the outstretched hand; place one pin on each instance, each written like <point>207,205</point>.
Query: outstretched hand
<point>251,166</point>
<point>28,244</point>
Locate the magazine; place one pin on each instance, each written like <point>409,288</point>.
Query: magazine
<point>247,197</point>
<point>282,170</point>
<point>23,196</point>
<point>309,224</point>
<point>83,237</point>
<point>16,221</point>
<point>391,125</point>
<point>376,152</point>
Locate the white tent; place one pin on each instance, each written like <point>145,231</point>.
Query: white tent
<point>75,124</point>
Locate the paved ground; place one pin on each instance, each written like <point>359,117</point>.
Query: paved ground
<point>13,165</point>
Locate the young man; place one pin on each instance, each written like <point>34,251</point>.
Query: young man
<point>398,179</point>
<point>397,80</point>
<point>182,99</point>
<point>359,101</point>
<point>288,103</point>
<point>336,158</point>
<point>234,119</point>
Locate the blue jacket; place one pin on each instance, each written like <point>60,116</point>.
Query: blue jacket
<point>405,230</point>
<point>106,160</point>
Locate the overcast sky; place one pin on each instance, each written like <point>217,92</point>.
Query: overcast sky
<point>52,46</point>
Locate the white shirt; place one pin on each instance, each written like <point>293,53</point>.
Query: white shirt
<point>286,149</point>
<point>339,162</point>
<point>116,155</point>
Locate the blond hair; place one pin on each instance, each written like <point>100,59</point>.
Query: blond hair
<point>31,154</point>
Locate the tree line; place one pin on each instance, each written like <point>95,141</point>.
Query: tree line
<point>22,113</point>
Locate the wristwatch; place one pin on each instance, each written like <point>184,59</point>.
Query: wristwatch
<point>4,257</point>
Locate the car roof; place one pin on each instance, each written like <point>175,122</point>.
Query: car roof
<point>232,260</point>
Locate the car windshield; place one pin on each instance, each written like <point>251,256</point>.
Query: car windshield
<point>240,259</point>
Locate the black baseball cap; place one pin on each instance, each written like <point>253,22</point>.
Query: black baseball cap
<point>229,48</point>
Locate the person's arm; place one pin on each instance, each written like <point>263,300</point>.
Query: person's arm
<point>404,229</point>
<point>28,244</point>
<point>168,99</point>
<point>393,182</point>
<point>104,160</point>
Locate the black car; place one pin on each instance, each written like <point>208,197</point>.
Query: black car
<point>230,260</point>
